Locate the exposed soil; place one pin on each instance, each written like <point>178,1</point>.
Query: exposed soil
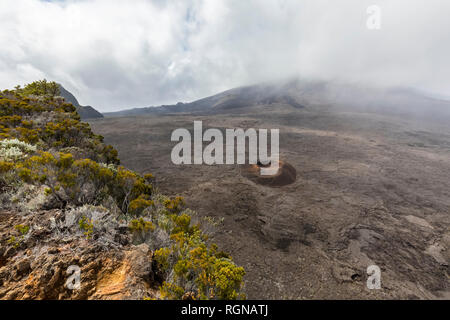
<point>365,189</point>
<point>36,269</point>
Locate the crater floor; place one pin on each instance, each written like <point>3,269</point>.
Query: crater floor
<point>369,189</point>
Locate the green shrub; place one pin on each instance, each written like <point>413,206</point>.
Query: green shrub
<point>138,205</point>
<point>43,142</point>
<point>15,242</point>
<point>87,226</point>
<point>39,88</point>
<point>140,228</point>
<point>22,229</point>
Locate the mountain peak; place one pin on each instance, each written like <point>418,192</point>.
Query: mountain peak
<point>86,112</point>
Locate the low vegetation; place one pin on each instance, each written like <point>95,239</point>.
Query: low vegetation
<point>44,144</point>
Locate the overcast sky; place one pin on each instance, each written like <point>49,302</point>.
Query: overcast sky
<point>115,54</point>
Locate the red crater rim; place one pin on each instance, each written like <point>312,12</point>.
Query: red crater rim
<point>285,175</point>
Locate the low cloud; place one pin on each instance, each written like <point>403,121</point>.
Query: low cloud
<point>115,54</point>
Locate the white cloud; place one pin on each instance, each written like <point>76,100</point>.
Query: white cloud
<point>115,54</point>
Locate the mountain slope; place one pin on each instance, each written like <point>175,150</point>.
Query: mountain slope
<point>66,204</point>
<point>371,187</point>
<point>300,94</point>
<point>233,99</point>
<point>85,112</point>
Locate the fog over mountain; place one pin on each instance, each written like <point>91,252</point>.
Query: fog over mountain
<point>114,55</point>
<point>300,94</point>
<point>104,202</point>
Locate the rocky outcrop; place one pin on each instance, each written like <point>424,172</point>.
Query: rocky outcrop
<point>55,244</point>
<point>36,266</point>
